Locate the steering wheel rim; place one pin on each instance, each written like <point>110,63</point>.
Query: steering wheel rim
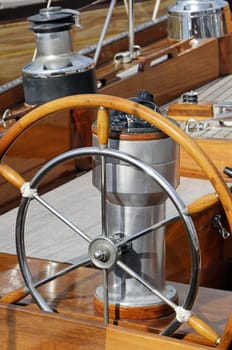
<point>163,183</point>
<point>130,107</point>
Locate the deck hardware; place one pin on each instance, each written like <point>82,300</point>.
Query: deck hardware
<point>190,97</point>
<point>217,223</point>
<point>222,109</point>
<point>5,117</point>
<point>198,19</point>
<point>120,240</point>
<point>228,171</point>
<point>195,125</point>
<point>128,56</point>
<point>76,15</point>
<point>56,70</point>
<point>133,50</point>
<point>103,252</point>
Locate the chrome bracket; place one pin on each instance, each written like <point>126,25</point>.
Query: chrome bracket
<point>128,56</point>
<point>222,109</point>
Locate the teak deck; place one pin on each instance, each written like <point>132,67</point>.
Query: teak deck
<point>217,148</point>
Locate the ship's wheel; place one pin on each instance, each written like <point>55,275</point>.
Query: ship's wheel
<point>103,251</point>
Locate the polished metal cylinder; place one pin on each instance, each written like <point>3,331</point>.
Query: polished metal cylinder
<point>57,70</point>
<point>198,19</point>
<point>55,57</point>
<point>135,202</point>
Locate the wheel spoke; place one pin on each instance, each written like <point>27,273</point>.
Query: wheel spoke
<point>105,296</point>
<point>83,262</point>
<point>155,291</point>
<point>16,295</point>
<point>182,315</point>
<point>103,196</point>
<point>104,234</point>
<point>147,230</point>
<point>75,228</point>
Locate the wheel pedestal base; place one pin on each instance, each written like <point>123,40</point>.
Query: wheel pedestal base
<point>121,312</point>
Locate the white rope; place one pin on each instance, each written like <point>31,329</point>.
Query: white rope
<point>27,191</point>
<point>156,9</point>
<point>126,6</point>
<point>182,315</point>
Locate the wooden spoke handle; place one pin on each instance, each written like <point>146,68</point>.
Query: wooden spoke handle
<point>203,203</point>
<point>102,126</point>
<point>11,175</point>
<point>203,329</point>
<point>14,296</point>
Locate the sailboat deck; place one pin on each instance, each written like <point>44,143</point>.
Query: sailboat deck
<point>78,200</point>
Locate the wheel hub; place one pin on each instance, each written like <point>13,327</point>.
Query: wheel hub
<point>103,252</point>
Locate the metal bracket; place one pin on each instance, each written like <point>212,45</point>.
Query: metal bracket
<point>128,56</point>
<point>217,223</point>
<point>222,109</point>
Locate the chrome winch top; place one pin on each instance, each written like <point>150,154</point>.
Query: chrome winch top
<point>56,70</point>
<point>198,19</point>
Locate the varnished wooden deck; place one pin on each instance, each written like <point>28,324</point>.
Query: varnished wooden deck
<point>17,41</point>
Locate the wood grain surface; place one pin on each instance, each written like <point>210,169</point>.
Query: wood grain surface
<point>73,294</point>
<point>17,41</point>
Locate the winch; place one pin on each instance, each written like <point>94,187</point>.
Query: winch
<point>135,202</point>
<point>57,70</point>
<point>198,19</point>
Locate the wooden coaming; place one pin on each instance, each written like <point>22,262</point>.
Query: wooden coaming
<point>225,49</point>
<point>42,142</point>
<point>167,80</point>
<point>217,149</point>
<point>215,263</point>
<point>185,111</point>
<point>31,329</point>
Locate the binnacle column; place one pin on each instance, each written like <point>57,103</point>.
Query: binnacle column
<point>134,203</point>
